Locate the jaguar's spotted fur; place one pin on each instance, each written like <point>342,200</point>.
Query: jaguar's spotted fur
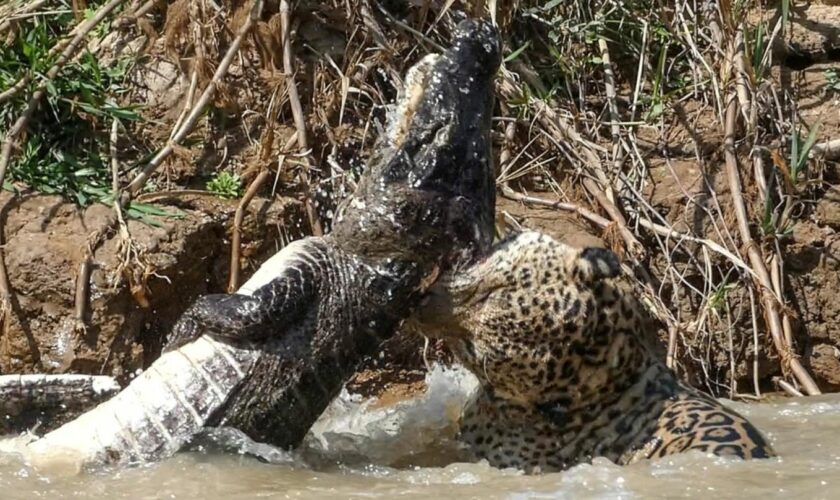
<point>570,365</point>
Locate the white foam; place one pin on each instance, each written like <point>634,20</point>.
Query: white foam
<point>386,434</point>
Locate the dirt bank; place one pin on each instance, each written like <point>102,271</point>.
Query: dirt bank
<point>122,329</point>
<point>628,127</point>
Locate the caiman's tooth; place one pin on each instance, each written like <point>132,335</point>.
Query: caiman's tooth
<point>409,99</point>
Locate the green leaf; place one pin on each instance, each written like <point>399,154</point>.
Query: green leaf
<point>809,143</point>
<point>758,49</point>
<point>85,172</point>
<point>794,153</point>
<point>516,53</point>
<point>150,209</point>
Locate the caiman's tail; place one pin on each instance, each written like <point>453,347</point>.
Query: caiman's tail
<point>157,413</point>
<point>26,400</point>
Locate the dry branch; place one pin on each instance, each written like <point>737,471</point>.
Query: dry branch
<point>768,298</point>
<point>300,121</point>
<point>236,240</point>
<point>5,287</point>
<point>82,291</point>
<point>791,390</point>
<point>587,214</point>
<point>139,181</point>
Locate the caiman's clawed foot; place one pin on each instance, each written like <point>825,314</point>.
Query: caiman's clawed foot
<point>217,315</point>
<point>280,301</point>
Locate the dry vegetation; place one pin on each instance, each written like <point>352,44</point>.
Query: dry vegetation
<point>675,131</point>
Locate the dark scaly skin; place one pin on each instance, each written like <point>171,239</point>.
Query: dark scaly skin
<point>570,365</point>
<point>424,204</point>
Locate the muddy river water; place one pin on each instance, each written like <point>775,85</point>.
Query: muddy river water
<point>370,450</point>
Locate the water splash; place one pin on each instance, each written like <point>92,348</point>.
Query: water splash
<point>353,427</point>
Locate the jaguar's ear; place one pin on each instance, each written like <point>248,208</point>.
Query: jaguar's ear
<point>595,264</point>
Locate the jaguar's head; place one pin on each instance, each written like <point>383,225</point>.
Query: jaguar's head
<point>539,321</point>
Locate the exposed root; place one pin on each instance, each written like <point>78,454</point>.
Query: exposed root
<point>80,299</point>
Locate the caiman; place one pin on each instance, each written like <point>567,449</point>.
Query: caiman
<point>268,359</point>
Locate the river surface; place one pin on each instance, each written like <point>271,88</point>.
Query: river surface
<point>362,451</point>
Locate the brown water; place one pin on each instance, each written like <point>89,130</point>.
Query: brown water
<point>805,432</point>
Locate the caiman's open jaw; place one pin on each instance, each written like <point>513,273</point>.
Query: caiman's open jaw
<point>430,182</point>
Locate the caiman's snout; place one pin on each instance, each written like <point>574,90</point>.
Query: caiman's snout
<point>440,125</point>
<point>476,48</point>
<point>430,181</point>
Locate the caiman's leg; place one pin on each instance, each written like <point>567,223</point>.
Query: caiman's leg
<point>283,289</point>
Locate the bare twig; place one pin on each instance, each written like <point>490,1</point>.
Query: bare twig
<point>139,181</point>
<point>115,173</point>
<point>742,78</point>
<point>256,184</point>
<point>609,85</point>
<point>776,273</point>
<point>754,320</point>
<point>634,246</point>
<point>671,351</point>
<point>187,102</point>
<point>297,113</point>
<point>754,253</point>
<point>785,386</point>
<point>82,289</point>
<point>236,240</point>
<point>566,207</point>
<point>5,287</point>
